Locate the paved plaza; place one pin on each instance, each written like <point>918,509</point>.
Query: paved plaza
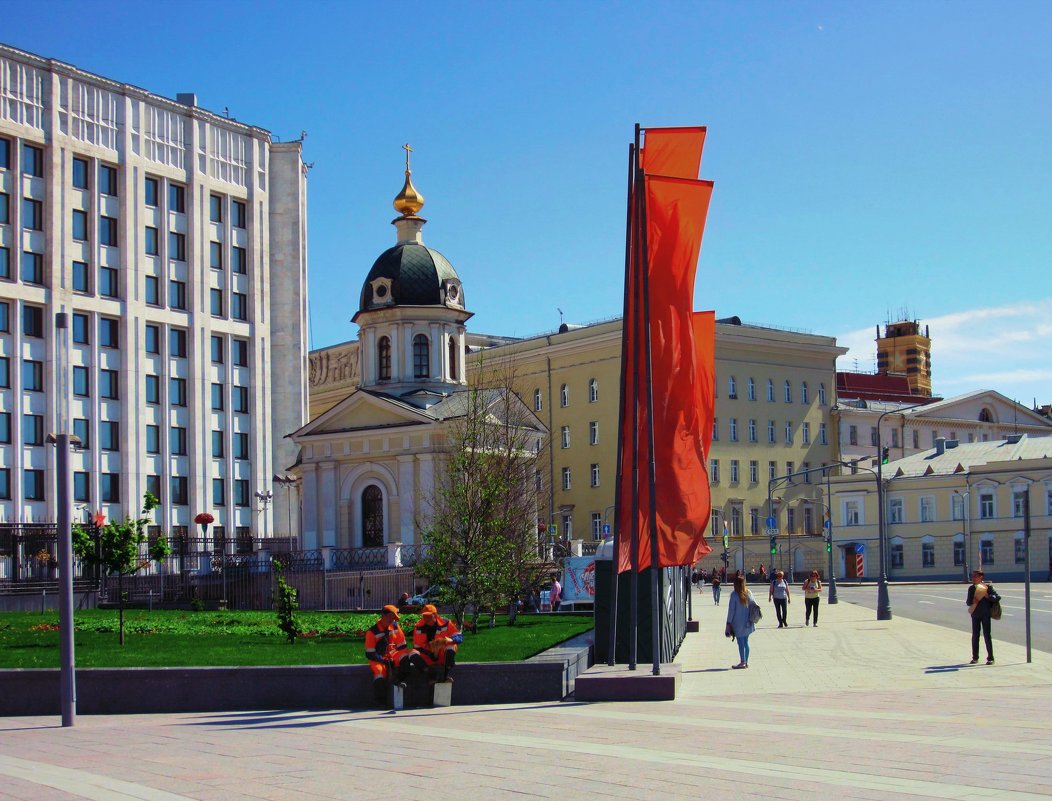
<point>853,709</point>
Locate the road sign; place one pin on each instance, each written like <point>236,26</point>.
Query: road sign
<point>553,530</point>
<point>860,548</point>
<point>771,532</point>
<point>606,529</point>
<point>771,522</point>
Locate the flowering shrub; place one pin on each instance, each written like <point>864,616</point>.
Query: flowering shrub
<point>204,518</point>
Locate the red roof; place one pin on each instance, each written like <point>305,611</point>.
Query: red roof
<point>877,386</point>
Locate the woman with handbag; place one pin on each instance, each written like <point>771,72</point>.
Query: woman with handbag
<point>812,594</point>
<point>740,619</point>
<point>981,599</point>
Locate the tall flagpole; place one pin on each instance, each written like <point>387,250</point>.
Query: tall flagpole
<point>615,562</point>
<point>633,613</point>
<point>655,631</point>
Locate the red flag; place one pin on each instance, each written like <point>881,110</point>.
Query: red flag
<point>675,152</point>
<point>705,362</point>
<point>676,209</point>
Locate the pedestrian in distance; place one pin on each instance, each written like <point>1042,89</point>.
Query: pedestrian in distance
<point>981,598</point>
<point>779,593</point>
<point>812,588</point>
<point>556,596</point>
<point>739,619</point>
<point>716,587</point>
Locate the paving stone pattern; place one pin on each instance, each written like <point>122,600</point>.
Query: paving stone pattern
<point>853,709</point>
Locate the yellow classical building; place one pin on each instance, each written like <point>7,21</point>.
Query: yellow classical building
<point>774,395</point>
<point>948,510</point>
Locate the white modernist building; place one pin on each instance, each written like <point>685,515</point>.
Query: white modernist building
<point>174,241</point>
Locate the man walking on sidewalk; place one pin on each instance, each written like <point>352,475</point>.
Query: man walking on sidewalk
<point>981,598</point>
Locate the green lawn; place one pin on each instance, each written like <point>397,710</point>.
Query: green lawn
<point>178,638</point>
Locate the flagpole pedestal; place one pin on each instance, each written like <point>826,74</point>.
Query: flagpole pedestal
<point>672,620</point>
<point>618,683</point>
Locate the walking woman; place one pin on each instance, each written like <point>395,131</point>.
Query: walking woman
<point>716,587</point>
<point>779,593</point>
<point>738,623</point>
<point>812,593</point>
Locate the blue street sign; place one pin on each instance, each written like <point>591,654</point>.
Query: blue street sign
<point>606,528</point>
<point>553,530</point>
<point>826,523</point>
<point>860,548</point>
<point>771,522</point>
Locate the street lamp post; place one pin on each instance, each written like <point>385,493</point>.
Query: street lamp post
<point>883,598</point>
<point>264,497</point>
<point>288,482</point>
<point>828,526</point>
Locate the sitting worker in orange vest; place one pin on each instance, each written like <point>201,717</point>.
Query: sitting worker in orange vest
<point>390,657</point>
<point>437,640</point>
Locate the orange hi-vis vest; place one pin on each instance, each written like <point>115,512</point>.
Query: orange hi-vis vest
<point>426,633</point>
<point>386,644</point>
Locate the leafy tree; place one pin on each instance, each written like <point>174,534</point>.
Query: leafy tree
<point>481,535</point>
<point>117,547</point>
<point>285,600</point>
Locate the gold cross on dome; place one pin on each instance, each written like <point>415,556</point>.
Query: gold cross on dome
<point>407,150</point>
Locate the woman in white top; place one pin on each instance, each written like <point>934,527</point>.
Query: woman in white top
<point>779,593</point>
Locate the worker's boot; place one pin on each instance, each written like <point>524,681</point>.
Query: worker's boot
<point>380,691</point>
<point>448,660</point>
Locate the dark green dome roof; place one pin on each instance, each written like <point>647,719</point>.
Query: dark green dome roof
<point>416,272</point>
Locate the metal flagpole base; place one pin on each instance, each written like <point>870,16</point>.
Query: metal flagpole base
<point>832,591</point>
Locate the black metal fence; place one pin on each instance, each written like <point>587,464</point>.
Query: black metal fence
<point>200,571</point>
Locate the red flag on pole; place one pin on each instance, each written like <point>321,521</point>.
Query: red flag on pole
<point>676,209</point>
<point>675,152</point>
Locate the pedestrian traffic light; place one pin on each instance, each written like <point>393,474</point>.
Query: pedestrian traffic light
<point>774,545</point>
<point>884,456</point>
<point>726,558</point>
<point>829,547</point>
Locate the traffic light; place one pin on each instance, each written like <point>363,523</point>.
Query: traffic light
<point>829,547</point>
<point>884,456</point>
<point>726,558</point>
<point>774,545</point>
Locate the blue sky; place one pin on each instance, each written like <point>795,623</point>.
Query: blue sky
<point>868,159</point>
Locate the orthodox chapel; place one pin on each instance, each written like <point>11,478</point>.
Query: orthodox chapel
<point>367,465</point>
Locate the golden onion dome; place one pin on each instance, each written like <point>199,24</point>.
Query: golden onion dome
<point>409,201</point>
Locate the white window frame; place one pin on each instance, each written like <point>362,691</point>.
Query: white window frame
<point>751,389</point>
<point>896,510</point>
<point>788,391</point>
<point>595,474</point>
<point>927,507</point>
<point>593,390</point>
<point>734,429</point>
<point>567,484</point>
<point>805,433</point>
<point>752,430</point>
<point>805,397</point>
<point>564,435</point>
<point>754,471</point>
<point>927,551</point>
<point>714,471</point>
<point>734,471</point>
<point>593,432</point>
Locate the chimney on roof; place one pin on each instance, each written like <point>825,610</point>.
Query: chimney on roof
<point>1013,439</point>
<point>951,443</point>
<point>186,98</point>
<point>940,446</point>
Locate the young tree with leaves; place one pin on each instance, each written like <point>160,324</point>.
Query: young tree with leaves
<point>481,536</point>
<point>117,547</point>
